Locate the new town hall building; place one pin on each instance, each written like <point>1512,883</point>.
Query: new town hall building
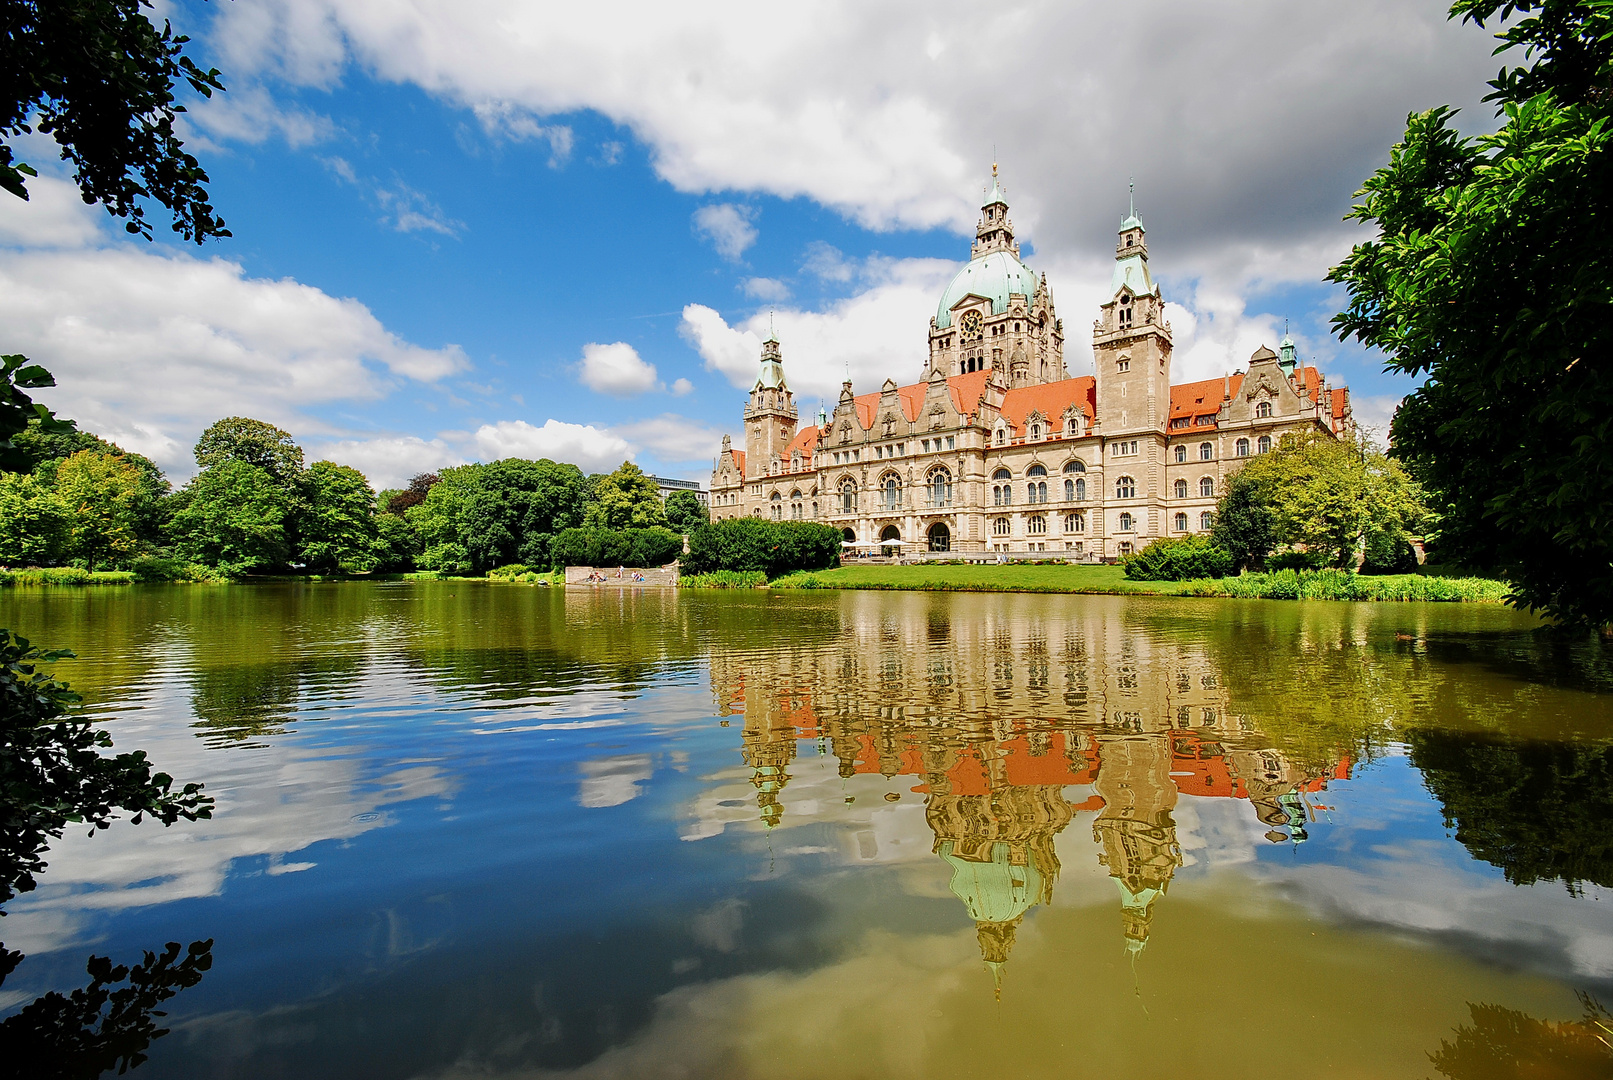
<point>998,448</point>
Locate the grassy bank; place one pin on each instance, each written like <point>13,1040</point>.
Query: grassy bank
<point>1282,585</point>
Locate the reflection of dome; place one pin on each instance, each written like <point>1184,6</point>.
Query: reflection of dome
<point>994,890</point>
<point>992,276</point>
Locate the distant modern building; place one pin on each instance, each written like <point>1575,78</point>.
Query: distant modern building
<point>998,448</point>
<point>668,486</point>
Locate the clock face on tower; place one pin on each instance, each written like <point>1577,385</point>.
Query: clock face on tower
<point>969,326</point>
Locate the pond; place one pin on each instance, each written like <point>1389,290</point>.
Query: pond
<point>476,830</point>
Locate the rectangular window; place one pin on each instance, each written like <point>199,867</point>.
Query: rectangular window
<point>949,442</point>
<point>856,455</point>
<point>901,448</point>
<point>926,446</point>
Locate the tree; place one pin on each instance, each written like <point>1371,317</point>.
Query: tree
<point>397,502</point>
<point>34,522</point>
<point>684,512</point>
<point>100,78</point>
<point>18,410</point>
<point>103,495</point>
<point>1326,496</point>
<point>477,517</point>
<point>233,516</point>
<point>1244,526</point>
<point>239,438</point>
<point>45,450</point>
<point>626,499</point>
<point>1491,278</point>
<point>338,525</point>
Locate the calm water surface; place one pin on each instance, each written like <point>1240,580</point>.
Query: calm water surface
<point>471,830</point>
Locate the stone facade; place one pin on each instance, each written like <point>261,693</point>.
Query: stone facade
<point>998,448</point>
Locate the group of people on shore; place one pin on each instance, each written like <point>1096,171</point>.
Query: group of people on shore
<point>596,577</point>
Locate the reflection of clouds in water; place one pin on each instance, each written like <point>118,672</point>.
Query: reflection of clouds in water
<point>1419,886</point>
<point>272,800</point>
<point>612,781</point>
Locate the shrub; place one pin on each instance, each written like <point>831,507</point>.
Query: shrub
<point>724,579</point>
<point>158,568</point>
<point>508,573</point>
<point>1334,584</point>
<point>1183,559</point>
<point>773,548</point>
<point>1389,553</point>
<point>654,546</point>
<point>1294,559</point>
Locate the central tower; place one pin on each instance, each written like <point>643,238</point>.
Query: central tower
<point>770,416</point>
<point>996,313</point>
<point>1131,342</point>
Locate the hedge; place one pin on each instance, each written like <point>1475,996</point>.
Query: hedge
<point>615,547</point>
<point>772,547</point>
<point>1184,559</point>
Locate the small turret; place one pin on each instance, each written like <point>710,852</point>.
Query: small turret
<point>1289,360</point>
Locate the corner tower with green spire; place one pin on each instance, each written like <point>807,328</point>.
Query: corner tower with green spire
<point>770,416</point>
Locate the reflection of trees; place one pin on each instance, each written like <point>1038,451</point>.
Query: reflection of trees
<point>237,702</point>
<point>1537,810</point>
<point>108,1024</point>
<point>1504,1044</point>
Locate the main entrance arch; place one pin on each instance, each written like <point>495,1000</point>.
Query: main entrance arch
<point>890,532</point>
<point>940,537</point>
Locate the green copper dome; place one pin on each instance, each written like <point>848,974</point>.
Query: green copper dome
<point>992,276</point>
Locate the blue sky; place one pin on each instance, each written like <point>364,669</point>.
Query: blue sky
<point>469,230</point>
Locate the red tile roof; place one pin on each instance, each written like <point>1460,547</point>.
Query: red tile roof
<point>1051,399</point>
<point>739,460</point>
<point>1201,398</point>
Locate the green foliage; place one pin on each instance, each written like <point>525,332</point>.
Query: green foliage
<point>338,529</point>
<point>1244,526</point>
<point>1328,495</point>
<point>17,409</point>
<point>67,575</point>
<point>34,521</point>
<point>233,516</point>
<point>105,499</point>
<point>1490,279</point>
<point>1336,584</point>
<point>506,573</point>
<point>477,517</point>
<point>396,502</point>
<point>240,438</point>
<point>772,547</point>
<point>729,579</point>
<point>105,1025</point>
<point>626,499</point>
<point>1178,559</point>
<point>167,568</point>
<point>397,544</point>
<point>616,547</point>
<point>1389,554</point>
<point>1295,559</point>
<point>52,771</point>
<point>684,512</point>
<point>100,78</point>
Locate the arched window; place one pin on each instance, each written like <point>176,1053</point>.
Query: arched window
<point>1036,490</point>
<point>1206,520</point>
<point>1036,525</point>
<point>1081,490</point>
<point>1002,436</point>
<point>1243,447</point>
<point>777,502</point>
<point>1075,465</point>
<point>1206,487</point>
<point>1036,431</point>
<point>1125,522</point>
<point>1072,426</point>
<point>1002,492</point>
<point>1263,445</point>
<point>1263,410</point>
<point>1181,453</point>
<point>848,495</point>
<point>1074,523</point>
<point>795,505</point>
<point>893,493</point>
<point>999,527</point>
<point>1125,488</point>
<point>940,537</point>
<point>1181,522</point>
<point>1206,451</point>
<point>940,490</point>
<point>1181,489</point>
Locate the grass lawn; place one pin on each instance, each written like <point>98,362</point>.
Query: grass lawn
<point>989,577</point>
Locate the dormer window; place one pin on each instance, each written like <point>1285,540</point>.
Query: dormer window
<point>1123,365</point>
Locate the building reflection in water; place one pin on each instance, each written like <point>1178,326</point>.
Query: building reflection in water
<point>998,718</point>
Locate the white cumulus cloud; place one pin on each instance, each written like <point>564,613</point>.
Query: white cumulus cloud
<point>388,461</point>
<point>672,438</point>
<point>616,369</point>
<point>728,227</point>
<point>590,448</point>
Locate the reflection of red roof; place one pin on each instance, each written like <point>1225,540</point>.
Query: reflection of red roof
<point>969,775</point>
